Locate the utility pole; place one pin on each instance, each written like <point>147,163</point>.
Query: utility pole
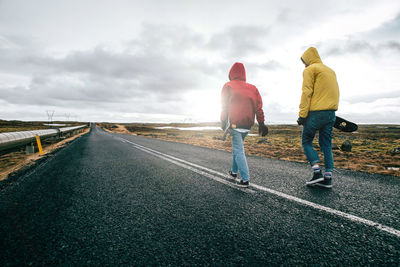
<point>50,114</point>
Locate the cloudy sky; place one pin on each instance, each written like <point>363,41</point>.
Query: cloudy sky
<point>166,61</point>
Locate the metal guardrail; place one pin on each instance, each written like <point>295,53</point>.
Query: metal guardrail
<point>14,139</point>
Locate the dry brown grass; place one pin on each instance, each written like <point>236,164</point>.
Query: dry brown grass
<point>15,126</point>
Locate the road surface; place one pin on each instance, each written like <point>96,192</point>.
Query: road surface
<point>120,200</point>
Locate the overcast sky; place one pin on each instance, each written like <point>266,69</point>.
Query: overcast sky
<point>166,61</point>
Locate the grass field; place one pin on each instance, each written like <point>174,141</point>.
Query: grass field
<point>15,126</point>
<point>373,146</point>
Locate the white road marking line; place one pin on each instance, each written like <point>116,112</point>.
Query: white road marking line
<point>215,178</point>
<point>351,217</point>
<point>186,164</point>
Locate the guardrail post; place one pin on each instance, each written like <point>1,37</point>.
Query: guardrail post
<point>29,149</point>
<point>39,144</point>
<point>59,135</point>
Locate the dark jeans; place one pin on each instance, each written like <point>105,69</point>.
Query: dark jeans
<point>321,121</point>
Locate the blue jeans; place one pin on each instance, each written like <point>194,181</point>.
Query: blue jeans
<point>321,121</point>
<point>239,162</point>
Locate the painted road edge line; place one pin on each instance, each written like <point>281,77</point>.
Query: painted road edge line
<point>183,161</point>
<point>215,178</point>
<point>348,216</point>
<point>186,162</point>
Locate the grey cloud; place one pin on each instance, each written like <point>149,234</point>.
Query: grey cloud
<point>239,41</point>
<point>270,65</point>
<point>277,113</point>
<point>385,32</point>
<point>107,80</point>
<point>348,46</point>
<point>158,64</point>
<point>120,65</point>
<point>284,15</point>
<point>351,46</point>
<point>19,55</point>
<point>373,42</point>
<point>15,41</point>
<point>161,39</point>
<point>78,90</point>
<point>369,98</point>
<point>394,45</point>
<point>155,67</point>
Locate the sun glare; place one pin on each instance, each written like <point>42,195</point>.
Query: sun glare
<point>204,106</point>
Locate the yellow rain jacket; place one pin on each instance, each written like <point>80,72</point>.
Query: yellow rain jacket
<point>320,87</point>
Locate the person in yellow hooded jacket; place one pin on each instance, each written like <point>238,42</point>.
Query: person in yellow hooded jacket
<point>319,101</point>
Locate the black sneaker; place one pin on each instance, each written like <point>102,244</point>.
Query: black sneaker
<point>243,184</point>
<point>233,174</point>
<point>316,178</point>
<point>327,183</point>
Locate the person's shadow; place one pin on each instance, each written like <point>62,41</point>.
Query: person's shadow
<point>322,194</point>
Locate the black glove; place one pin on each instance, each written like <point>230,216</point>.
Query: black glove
<point>262,129</point>
<point>301,121</point>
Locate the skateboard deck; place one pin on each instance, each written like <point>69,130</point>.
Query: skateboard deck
<point>345,125</point>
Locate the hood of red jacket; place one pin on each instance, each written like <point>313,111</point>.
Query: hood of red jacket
<point>237,72</point>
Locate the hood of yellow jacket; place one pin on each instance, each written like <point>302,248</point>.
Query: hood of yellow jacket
<point>311,56</point>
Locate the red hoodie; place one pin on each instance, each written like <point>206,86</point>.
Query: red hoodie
<point>240,100</point>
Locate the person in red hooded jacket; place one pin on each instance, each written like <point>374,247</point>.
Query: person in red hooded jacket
<point>241,102</point>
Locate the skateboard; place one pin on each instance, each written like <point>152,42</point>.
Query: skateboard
<point>345,125</point>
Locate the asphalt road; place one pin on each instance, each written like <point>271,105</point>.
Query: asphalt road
<point>113,200</point>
